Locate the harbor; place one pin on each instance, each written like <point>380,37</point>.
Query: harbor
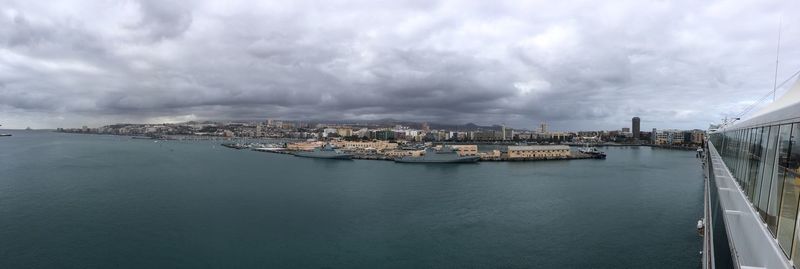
<point>174,190</point>
<point>430,154</point>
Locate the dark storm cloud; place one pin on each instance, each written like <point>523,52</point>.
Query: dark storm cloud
<point>575,64</point>
<point>163,19</point>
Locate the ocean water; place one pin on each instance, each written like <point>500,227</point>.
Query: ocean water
<point>92,201</point>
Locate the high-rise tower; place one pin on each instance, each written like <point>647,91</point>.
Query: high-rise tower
<point>635,122</point>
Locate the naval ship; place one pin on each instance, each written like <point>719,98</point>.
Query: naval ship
<point>445,155</point>
<point>324,152</point>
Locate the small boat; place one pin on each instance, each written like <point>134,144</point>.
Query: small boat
<point>5,134</point>
<point>593,152</point>
<point>234,145</point>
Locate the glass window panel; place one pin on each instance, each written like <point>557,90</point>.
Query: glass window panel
<point>748,177</point>
<point>740,159</point>
<point>746,161</point>
<point>788,164</point>
<point>776,186</point>
<point>743,159</point>
<point>735,155</point>
<point>732,154</point>
<point>761,151</point>
<point>768,160</point>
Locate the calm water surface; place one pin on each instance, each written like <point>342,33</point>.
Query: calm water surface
<point>89,201</point>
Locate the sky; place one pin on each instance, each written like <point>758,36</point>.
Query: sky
<point>577,65</point>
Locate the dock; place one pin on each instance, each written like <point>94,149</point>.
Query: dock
<point>380,157</point>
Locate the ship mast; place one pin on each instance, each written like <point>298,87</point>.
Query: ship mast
<point>777,57</point>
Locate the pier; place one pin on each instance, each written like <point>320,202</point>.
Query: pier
<point>380,157</point>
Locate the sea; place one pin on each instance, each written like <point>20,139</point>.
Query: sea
<point>100,201</point>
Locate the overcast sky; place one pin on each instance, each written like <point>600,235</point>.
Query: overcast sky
<point>574,64</point>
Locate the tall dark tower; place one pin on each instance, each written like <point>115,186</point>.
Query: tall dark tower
<point>635,128</point>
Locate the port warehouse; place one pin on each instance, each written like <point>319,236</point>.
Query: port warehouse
<point>554,151</point>
<point>755,200</point>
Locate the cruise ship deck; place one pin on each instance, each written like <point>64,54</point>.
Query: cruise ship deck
<point>753,189</point>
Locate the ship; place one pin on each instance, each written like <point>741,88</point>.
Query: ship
<point>593,151</point>
<point>269,148</point>
<point>1,135</point>
<point>751,180</point>
<point>324,152</point>
<point>445,155</point>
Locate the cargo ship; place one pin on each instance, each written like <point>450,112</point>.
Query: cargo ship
<point>445,155</point>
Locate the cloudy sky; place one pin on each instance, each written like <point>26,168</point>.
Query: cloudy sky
<point>574,64</point>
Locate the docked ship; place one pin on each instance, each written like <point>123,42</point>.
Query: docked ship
<point>269,148</point>
<point>445,155</point>
<point>592,151</point>
<point>324,152</point>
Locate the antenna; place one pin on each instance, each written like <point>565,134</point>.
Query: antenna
<point>777,56</point>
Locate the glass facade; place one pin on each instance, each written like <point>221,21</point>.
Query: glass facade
<point>765,162</point>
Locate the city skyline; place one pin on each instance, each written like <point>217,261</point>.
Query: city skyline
<point>70,64</point>
<point>540,127</point>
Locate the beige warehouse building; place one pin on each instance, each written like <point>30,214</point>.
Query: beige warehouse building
<point>546,151</point>
<point>354,145</point>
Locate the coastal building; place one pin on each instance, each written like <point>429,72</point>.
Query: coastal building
<point>544,151</point>
<point>698,136</point>
<point>328,131</point>
<point>383,135</point>
<point>670,137</point>
<point>355,145</point>
<point>653,136</point>
<point>488,135</point>
<point>635,122</point>
<point>344,131</point>
<point>304,145</point>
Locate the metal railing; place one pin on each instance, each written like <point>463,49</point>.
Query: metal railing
<point>738,236</point>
